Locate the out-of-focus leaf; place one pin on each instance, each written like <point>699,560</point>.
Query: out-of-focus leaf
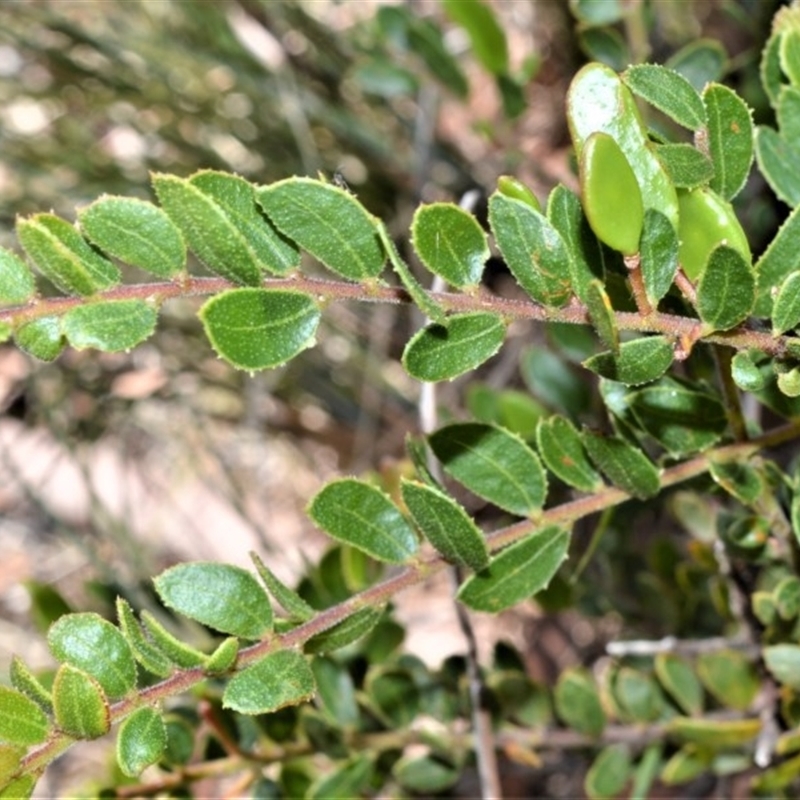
<point>681,682</point>
<point>16,280</point>
<point>41,338</point>
<point>714,734</point>
<point>730,677</point>
<point>609,773</point>
<point>425,775</point>
<point>700,62</point>
<point>783,661</point>
<point>786,307</point>
<point>487,37</point>
<point>578,702</point>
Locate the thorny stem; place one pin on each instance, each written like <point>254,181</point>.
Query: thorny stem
<point>565,514</point>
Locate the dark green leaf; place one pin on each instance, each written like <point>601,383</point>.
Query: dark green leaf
<point>638,361</point>
<point>658,252</point>
<point>41,338</point>
<point>609,773</point>
<point>385,79</point>
<point>16,280</point>
<point>786,306</point>
<point>681,682</point>
<point>260,328</point>
<point>562,451</point>
<point>97,647</point>
<point>144,651</point>
<point>348,780</point>
<point>700,62</point>
<point>336,691</point>
<point>726,292</point>
<point>730,139</point>
<point>222,596</point>
<point>638,695</point>
<point>135,232</point>
<point>179,653</point>
<point>441,352</point>
<point>141,741</point>
<point>518,572</point>
<point>345,632</point>
<point>745,372</point>
<point>21,720</point>
<point>668,91</point>
<point>329,223</point>
<point>777,262</point>
<point>779,162</point>
<point>685,765</point>
<point>770,68</point>
<point>789,113</point>
<point>533,249</point>
<point>64,257</point>
<point>446,525</point>
<point>450,243</point>
<point>605,45</point>
<point>113,326</point>
<point>487,37</point>
<point>393,694</point>
<point>494,464</point>
<point>23,680</point>
<point>739,479</point>
<point>80,705</point>
<point>686,166</point>
<point>601,313</point>
<point>554,381</point>
<point>290,600</point>
<point>425,775</point>
<point>359,514</point>
<point>426,40</point>
<point>280,679</point>
<point>624,465</point>
<point>783,661</point>
<point>578,703</point>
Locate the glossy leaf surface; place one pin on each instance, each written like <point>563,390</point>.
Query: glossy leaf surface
<point>141,741</point>
<point>726,292</point>
<point>668,91</point>
<point>562,450</point>
<point>115,326</point>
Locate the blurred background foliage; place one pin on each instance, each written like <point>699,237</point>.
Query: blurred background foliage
<point>114,465</point>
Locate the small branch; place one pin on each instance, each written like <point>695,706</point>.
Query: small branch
<point>730,393</point>
<point>688,647</point>
<point>634,265</point>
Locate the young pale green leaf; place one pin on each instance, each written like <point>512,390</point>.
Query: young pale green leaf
<point>97,647</point>
<point>578,702</point>
<point>730,677</point>
<point>179,653</point>
<point>658,253</point>
<point>16,280</point>
<point>18,789</point>
<point>21,720</point>
<point>494,464</point>
<point>64,257</point>
<point>609,773</point>
<point>23,680</point>
<point>446,525</point>
<point>488,40</point>
<point>361,515</point>
<point>783,661</point>
<point>730,139</point>
<point>518,572</point>
<point>135,232</point>
<point>224,657</point>
<point>668,91</point>
<point>680,681</point>
<point>746,373</point>
<point>726,292</point>
<point>345,632</point>
<point>713,733</point>
<point>686,166</point>
<point>290,601</point>
<point>790,54</point>
<point>623,464</point>
<point>777,262</point>
<point>256,329</point>
<point>565,212</point>
<point>426,41</point>
<point>700,62</point>
<point>602,315</point>
<point>280,679</point>
<point>779,162</point>
<point>533,249</point>
<point>141,741</point>
<point>509,186</point>
<point>442,352</point>
<point>113,326</point>
<point>144,651</point>
<point>638,361</point>
<point>611,196</point>
<point>225,597</point>
<point>80,705</point>
<point>786,306</point>
<point>450,243</point>
<point>329,223</point>
<point>562,451</point>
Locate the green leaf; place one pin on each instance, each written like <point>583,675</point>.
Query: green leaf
<point>552,379</point>
<point>10,758</point>
<point>336,691</point>
<point>23,680</point>
<point>441,352</point>
<point>770,68</point>
<point>16,280</point>
<point>135,232</point>
<point>602,315</point>
<point>786,306</point>
<point>790,54</point>
<point>638,695</point>
<point>141,741</point>
<point>639,361</point>
<point>223,658</point>
<point>427,41</point>
<point>786,596</point>
<point>290,600</point>
<point>487,37</point>
<point>19,789</point>
<point>80,705</point>
<point>624,465</point>
<point>179,653</point>
<point>359,514</point>
<point>562,451</point>
<point>605,45</point>
<point>349,780</point>
<point>597,12</point>
<point>668,91</point>
<point>518,572</point>
<point>680,681</point>
<point>686,166</point>
<point>113,326</point>
<point>578,703</point>
<point>21,720</point>
<point>280,679</point>
<point>565,212</point>
<point>730,139</point>
<point>777,262</point>
<point>226,598</point>
<point>256,329</point>
<point>726,292</point>
<point>345,632</point>
<point>783,661</point>
<point>446,525</point>
<point>144,651</point>
<point>779,162</point>
<point>700,62</point>
<point>450,243</point>
<point>746,373</point>
<point>609,773</point>
<point>533,249</point>
<point>714,734</point>
<point>509,186</point>
<point>41,338</point>
<point>739,479</point>
<point>789,113</point>
<point>730,677</point>
<point>685,765</point>
<point>426,775</point>
<point>329,223</point>
<point>658,253</point>
<point>494,464</point>
<point>97,647</point>
<point>394,695</point>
